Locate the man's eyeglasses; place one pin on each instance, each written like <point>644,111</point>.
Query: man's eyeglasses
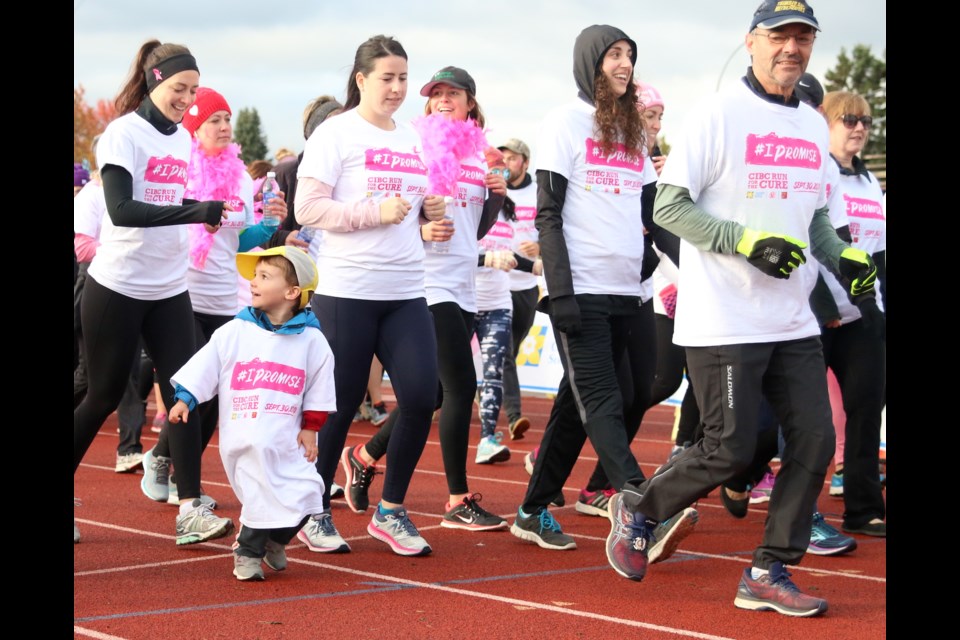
<point>778,38</point>
<point>850,121</point>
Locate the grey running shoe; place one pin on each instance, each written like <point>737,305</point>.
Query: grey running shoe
<point>129,462</point>
<point>200,524</point>
<point>398,532</point>
<point>321,536</point>
<point>543,529</point>
<point>173,497</point>
<point>247,568</point>
<point>276,556</point>
<point>492,450</point>
<point>667,536</point>
<point>156,476</point>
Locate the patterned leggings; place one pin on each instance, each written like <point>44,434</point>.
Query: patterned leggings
<point>493,334</point>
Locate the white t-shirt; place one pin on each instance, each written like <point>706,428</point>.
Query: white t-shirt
<point>602,226</point>
<point>451,275</point>
<point>146,263</point>
<point>214,290</point>
<point>524,230</point>
<point>862,204</point>
<point>493,285</point>
<point>361,161</point>
<point>765,166</point>
<point>265,382</point>
<point>89,208</point>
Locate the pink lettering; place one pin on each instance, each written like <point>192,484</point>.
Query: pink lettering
<point>381,160</point>
<point>772,150</point>
<point>620,158</point>
<point>861,208</point>
<point>257,374</point>
<point>166,170</point>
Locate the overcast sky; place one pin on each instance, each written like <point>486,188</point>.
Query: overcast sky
<point>277,56</point>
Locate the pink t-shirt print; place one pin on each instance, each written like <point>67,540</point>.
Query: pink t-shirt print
<point>620,158</point>
<point>773,151</point>
<point>256,374</point>
<point>166,170</point>
<point>863,208</point>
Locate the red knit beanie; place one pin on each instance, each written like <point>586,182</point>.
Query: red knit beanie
<point>208,102</point>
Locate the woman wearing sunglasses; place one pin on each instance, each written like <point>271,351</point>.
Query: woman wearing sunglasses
<point>853,335</point>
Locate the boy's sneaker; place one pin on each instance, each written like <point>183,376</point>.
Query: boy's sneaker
<point>490,450</point>
<point>542,529</point>
<point>530,459</point>
<point>155,483</point>
<point>398,532</point>
<point>836,484</point>
<point>247,568</point>
<point>158,421</point>
<point>761,492</point>
<point>276,556</point>
<point>628,540</point>
<point>336,491</point>
<point>468,514</point>
<point>667,536</point>
<point>129,462</point>
<point>359,476</point>
<point>377,413</point>
<point>775,591</point>
<point>173,496</point>
<point>200,524</point>
<point>518,427</point>
<point>594,503</point>
<point>321,536</point>
<point>826,540</point>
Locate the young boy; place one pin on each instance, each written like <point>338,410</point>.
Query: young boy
<point>273,371</point>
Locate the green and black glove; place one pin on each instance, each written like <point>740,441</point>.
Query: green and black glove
<point>858,273</point>
<point>775,254</point>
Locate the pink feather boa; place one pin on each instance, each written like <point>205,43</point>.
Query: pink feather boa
<point>446,143</point>
<point>211,177</point>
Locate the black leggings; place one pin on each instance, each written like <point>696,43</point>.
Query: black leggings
<point>112,326</point>
<point>458,386</point>
<point>400,333</point>
<point>635,375</point>
<point>204,325</point>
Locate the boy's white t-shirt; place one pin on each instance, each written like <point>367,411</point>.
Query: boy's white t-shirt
<point>602,225</point>
<point>861,203</point>
<point>765,166</point>
<point>524,229</point>
<point>214,289</point>
<point>146,263</point>
<point>265,381</point>
<point>450,276</point>
<point>361,161</point>
<point>493,285</point>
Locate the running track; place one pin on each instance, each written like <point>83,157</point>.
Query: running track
<point>132,582</point>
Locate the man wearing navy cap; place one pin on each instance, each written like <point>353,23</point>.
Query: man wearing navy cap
<point>745,192</point>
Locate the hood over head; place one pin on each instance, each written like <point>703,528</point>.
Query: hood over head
<point>588,51</point>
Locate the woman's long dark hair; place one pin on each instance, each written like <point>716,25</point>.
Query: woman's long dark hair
<point>617,119</point>
<point>366,59</point>
<point>134,89</point>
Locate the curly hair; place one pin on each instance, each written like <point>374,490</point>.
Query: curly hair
<point>617,119</point>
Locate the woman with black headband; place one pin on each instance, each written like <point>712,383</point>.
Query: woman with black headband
<point>137,282</point>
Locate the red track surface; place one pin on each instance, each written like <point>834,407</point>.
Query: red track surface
<point>132,582</point>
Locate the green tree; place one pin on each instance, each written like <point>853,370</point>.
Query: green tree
<point>247,133</point>
<point>865,75</point>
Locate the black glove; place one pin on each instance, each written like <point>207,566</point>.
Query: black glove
<point>565,314</point>
<point>873,319</point>
<point>775,254</point>
<point>857,271</point>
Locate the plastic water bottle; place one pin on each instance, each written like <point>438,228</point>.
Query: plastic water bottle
<point>306,234</point>
<point>444,247</point>
<point>269,191</point>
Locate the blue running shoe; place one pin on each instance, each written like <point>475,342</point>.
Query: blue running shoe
<point>826,540</point>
